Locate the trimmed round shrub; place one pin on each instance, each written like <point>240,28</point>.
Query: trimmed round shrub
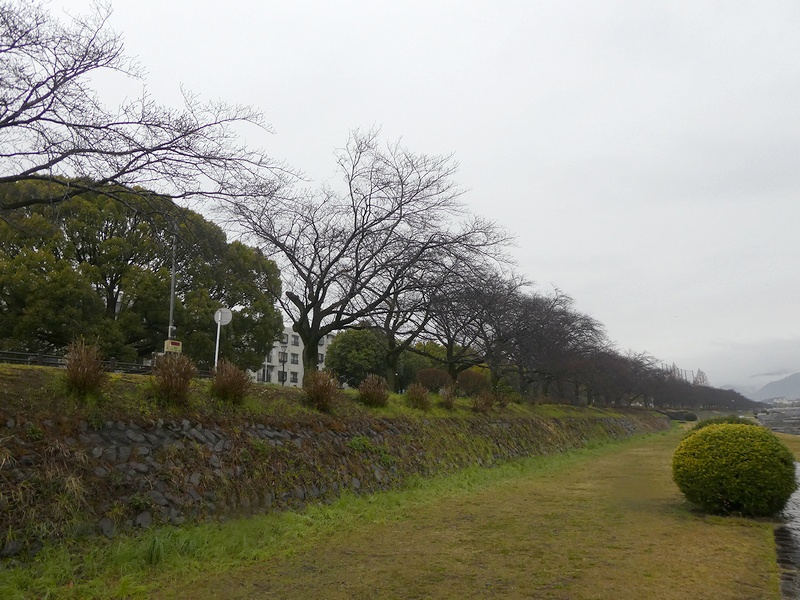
<point>735,469</point>
<point>433,379</point>
<point>473,383</point>
<point>690,416</point>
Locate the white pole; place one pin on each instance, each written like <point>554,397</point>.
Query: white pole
<point>216,350</point>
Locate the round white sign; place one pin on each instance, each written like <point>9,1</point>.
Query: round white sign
<point>223,316</point>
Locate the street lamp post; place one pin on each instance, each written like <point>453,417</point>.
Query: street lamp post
<point>284,349</point>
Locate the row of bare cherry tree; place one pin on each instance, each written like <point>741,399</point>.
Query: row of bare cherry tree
<point>392,246</point>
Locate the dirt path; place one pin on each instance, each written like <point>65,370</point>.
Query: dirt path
<point>608,526</point>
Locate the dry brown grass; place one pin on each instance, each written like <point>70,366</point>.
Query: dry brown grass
<point>612,525</point>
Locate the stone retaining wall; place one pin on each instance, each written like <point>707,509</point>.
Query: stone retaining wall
<point>60,479</point>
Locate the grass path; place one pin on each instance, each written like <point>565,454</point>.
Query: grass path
<point>604,524</point>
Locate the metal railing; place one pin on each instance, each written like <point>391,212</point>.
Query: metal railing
<point>54,360</point>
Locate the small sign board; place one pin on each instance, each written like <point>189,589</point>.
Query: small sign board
<point>173,346</point>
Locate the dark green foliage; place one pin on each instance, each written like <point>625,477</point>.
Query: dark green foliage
<point>471,383</point>
<point>690,416</point>
<point>374,391</point>
<point>735,469</point>
<point>417,397</point>
<point>354,354</point>
<point>433,379</point>
<point>320,390</point>
<point>85,374</point>
<point>172,378</point>
<point>99,267</point>
<point>230,383</point>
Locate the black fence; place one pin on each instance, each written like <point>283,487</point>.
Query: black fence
<point>54,360</point>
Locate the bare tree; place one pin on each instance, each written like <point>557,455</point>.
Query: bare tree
<point>54,128</point>
<point>474,315</point>
<point>346,254</point>
<point>553,338</point>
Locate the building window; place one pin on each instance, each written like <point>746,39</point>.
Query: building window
<point>269,357</point>
<point>322,342</point>
<point>268,374</point>
<point>285,338</point>
<point>283,357</point>
<point>295,340</point>
<point>281,376</point>
<point>320,358</point>
<point>295,359</point>
<point>293,375</point>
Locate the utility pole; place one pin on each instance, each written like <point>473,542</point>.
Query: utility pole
<point>171,329</point>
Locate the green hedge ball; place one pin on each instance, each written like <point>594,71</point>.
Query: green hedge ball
<point>735,469</point>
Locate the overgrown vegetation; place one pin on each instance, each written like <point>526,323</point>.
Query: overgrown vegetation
<point>735,469</point>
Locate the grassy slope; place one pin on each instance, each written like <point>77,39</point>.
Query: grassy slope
<point>600,523</point>
<point>606,522</point>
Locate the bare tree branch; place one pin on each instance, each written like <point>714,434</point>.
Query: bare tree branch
<point>54,128</point>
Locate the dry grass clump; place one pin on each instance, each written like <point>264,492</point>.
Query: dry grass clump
<point>483,402</point>
<point>448,397</point>
<point>85,374</point>
<point>172,378</point>
<point>417,397</point>
<point>230,383</point>
<point>319,390</point>
<point>374,391</point>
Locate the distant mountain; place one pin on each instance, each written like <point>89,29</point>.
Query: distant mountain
<point>788,387</point>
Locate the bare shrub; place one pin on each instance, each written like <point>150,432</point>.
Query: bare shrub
<point>448,397</point>
<point>320,390</point>
<point>433,379</point>
<point>172,377</point>
<point>230,383</point>
<point>472,383</point>
<point>85,374</point>
<point>483,402</point>
<point>417,397</point>
<point>374,391</point>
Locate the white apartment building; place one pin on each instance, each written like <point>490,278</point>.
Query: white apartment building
<point>284,361</point>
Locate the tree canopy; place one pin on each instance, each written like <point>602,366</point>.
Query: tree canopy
<point>99,267</point>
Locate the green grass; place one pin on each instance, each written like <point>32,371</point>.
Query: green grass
<point>601,522</point>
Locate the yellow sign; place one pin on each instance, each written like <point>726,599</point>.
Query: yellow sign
<point>173,346</point>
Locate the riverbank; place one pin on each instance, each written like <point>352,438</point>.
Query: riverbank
<point>602,522</point>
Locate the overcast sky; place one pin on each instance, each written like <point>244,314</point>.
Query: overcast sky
<point>646,154</point>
